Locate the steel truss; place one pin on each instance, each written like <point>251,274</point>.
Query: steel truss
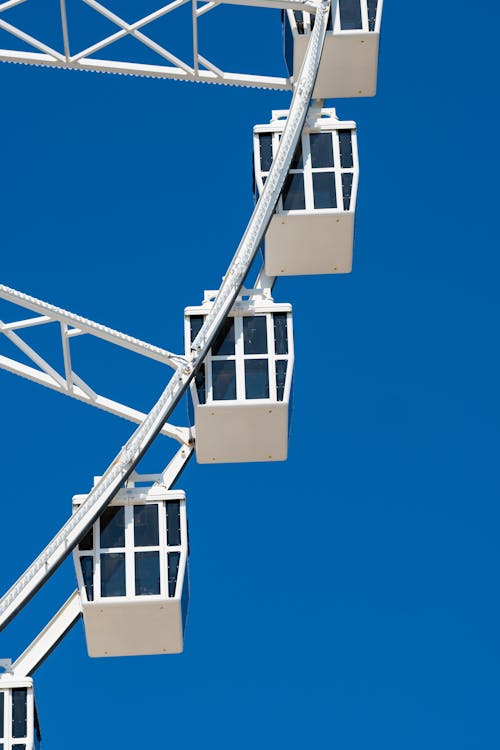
<point>68,326</point>
<point>122,468</point>
<point>199,68</point>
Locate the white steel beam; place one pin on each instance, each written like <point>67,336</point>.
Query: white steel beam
<point>49,637</point>
<point>51,312</point>
<point>132,452</point>
<point>81,392</point>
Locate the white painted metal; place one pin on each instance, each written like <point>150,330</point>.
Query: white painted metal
<point>49,637</point>
<point>84,59</point>
<point>311,240</point>
<point>71,325</point>
<point>16,695</point>
<point>350,57</point>
<point>244,428</point>
<point>128,623</point>
<point>124,463</point>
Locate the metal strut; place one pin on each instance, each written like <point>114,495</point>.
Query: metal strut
<point>124,463</point>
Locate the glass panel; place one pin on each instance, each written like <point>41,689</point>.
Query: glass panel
<point>19,747</point>
<point>324,190</point>
<point>345,141</point>
<point>266,152</point>
<point>329,25</point>
<point>299,20</point>
<point>2,712</point>
<point>346,189</point>
<point>350,14</point>
<point>113,574</point>
<point>196,322</point>
<point>112,525</point>
<point>201,385</point>
<point>224,341</point>
<point>256,378</point>
<point>297,162</point>
<point>146,526</point>
<point>223,380</point>
<point>87,566</point>
<point>173,524</point>
<point>19,712</point>
<point>173,569</point>
<point>372,14</point>
<point>321,150</point>
<point>280,333</point>
<point>87,541</point>
<point>147,573</point>
<point>281,365</point>
<point>255,334</point>
<point>293,192</point>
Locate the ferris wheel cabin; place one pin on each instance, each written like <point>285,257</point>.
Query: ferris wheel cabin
<point>312,230</point>
<point>241,394</point>
<point>349,61</point>
<point>132,571</point>
<point>19,728</point>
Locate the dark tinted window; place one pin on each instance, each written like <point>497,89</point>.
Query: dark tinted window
<point>19,747</point>
<point>255,334</point>
<point>38,735</point>
<point>256,378</point>
<point>173,524</point>
<point>280,333</point>
<point>372,14</point>
<point>147,573</point>
<point>2,712</point>
<point>201,386</point>
<point>321,150</point>
<point>19,712</point>
<point>112,525</point>
<point>299,20</point>
<point>281,365</point>
<point>173,569</point>
<point>146,525</point>
<point>113,574</point>
<point>87,541</point>
<point>347,189</point>
<point>297,162</point>
<point>223,380</point>
<point>224,341</point>
<point>350,14</point>
<point>266,152</point>
<point>293,193</point>
<point>87,565</point>
<point>345,141</point>
<point>324,190</point>
<point>196,324</point>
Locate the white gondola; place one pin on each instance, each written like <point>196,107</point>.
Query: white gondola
<point>242,393</point>
<point>19,728</point>
<point>349,61</point>
<point>132,571</point>
<point>312,230</point>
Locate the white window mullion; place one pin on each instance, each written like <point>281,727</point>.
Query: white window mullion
<point>308,181</point>
<point>364,14</point>
<point>337,170</point>
<point>240,357</point>
<point>162,539</point>
<point>271,358</point>
<point>129,551</point>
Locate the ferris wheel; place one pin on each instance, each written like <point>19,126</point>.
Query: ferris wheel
<point>129,534</point>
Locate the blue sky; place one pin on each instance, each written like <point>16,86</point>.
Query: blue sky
<point>347,598</point>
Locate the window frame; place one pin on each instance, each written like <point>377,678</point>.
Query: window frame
<point>307,170</point>
<point>130,549</point>
<point>239,357</point>
<point>8,740</point>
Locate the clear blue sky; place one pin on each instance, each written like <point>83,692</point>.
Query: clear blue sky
<point>347,598</point>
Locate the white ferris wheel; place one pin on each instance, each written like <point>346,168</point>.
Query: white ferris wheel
<point>128,534</point>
